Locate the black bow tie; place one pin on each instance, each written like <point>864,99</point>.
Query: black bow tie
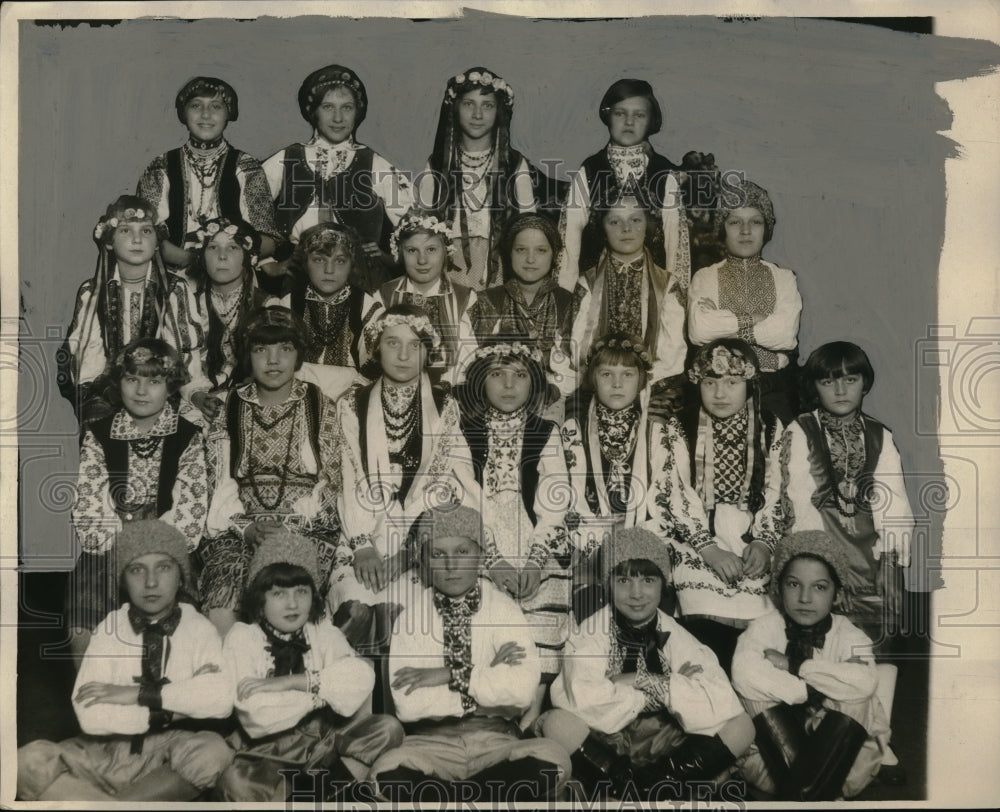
<point>288,652</point>
<point>164,627</point>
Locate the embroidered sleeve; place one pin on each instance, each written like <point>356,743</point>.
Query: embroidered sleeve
<point>153,185</point>
<point>776,518</point>
<point>492,553</point>
<point>780,330</point>
<point>708,322</point>
<point>372,305</point>
<point>676,242</point>
<point>656,687</point>
<point>329,450</point>
<point>553,499</point>
<point>358,512</point>
<point>190,492</point>
<point>94,517</point>
<point>255,203</point>
<point>678,505</point>
<point>573,221</point>
<point>891,512</point>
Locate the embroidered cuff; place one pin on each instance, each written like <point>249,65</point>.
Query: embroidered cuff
<point>239,524</point>
<point>539,554</point>
<point>745,329</point>
<point>656,688</point>
<point>460,677</point>
<point>361,540</point>
<point>767,541</point>
<point>701,540</point>
<point>312,681</point>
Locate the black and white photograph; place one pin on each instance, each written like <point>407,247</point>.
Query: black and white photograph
<point>496,405</point>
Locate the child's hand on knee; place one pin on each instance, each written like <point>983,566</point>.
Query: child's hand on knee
<point>728,566</point>
<point>508,654</point>
<point>370,569</point>
<point>756,559</point>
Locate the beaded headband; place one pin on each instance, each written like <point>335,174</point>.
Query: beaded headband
<point>421,326</point>
<point>316,85</point>
<point>516,349</point>
<point>143,355</point>
<point>414,223</point>
<point>723,361</point>
<point>488,81</point>
<point>106,224</point>
<point>626,343</point>
<point>326,239</point>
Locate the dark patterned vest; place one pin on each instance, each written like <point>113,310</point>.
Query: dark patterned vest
<point>229,193</point>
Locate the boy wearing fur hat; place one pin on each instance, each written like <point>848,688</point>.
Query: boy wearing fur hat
<point>640,703</point>
<point>150,664</point>
<point>808,678</point>
<point>463,668</point>
<point>302,694</point>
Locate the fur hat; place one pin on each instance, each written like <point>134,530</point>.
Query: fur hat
<point>634,543</point>
<point>817,543</point>
<point>286,547</point>
<point>448,522</point>
<point>746,194</point>
<point>147,536</point>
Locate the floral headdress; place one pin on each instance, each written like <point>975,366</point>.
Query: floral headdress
<point>107,224</point>
<point>626,343</point>
<point>144,355</point>
<point>483,79</point>
<point>421,326</point>
<point>241,234</point>
<point>415,222</point>
<point>328,236</point>
<point>720,362</point>
<point>507,350</point>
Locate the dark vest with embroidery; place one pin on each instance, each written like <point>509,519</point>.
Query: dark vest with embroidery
<point>229,193</point>
<point>116,459</point>
<point>355,306</point>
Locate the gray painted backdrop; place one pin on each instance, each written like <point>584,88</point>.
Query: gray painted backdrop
<point>839,122</point>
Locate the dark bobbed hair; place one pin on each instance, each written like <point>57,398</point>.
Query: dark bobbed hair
<point>281,574</point>
<point>472,394</point>
<point>166,363</point>
<point>522,222</point>
<point>834,578</point>
<point>299,262</point>
<point>614,356</point>
<point>628,89</point>
<point>271,325</point>
<point>209,87</point>
<point>834,360</point>
<point>372,368</point>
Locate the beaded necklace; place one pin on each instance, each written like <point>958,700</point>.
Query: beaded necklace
<point>400,416</point>
<point>207,169</point>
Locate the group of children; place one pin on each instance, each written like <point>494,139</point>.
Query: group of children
<point>454,488</point>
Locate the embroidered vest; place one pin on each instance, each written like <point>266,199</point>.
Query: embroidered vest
<point>355,305</point>
<point>229,193</point>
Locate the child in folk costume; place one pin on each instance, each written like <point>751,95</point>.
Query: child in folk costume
<point>422,245</point>
<point>841,472</point>
<point>463,668</point>
<point>207,178</point>
<point>613,452</point>
<point>475,179</point>
<point>808,677</point>
<point>130,296</point>
<point>639,700</point>
<point>141,462</point>
<point>627,164</point>
<point>275,460</point>
<point>302,694</point>
<point>744,296</point>
<point>721,451</point>
<point>326,290</point>
<point>222,289</point>
<point>627,291</point>
<point>333,178</point>
<point>402,449</point>
<point>521,468</point>
<point>149,675</point>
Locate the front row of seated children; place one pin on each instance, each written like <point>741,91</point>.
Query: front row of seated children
<point>639,709</point>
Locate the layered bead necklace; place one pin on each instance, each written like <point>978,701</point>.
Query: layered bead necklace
<point>206,168</point>
<point>401,416</point>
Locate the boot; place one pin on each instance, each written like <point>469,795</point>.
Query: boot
<point>697,759</point>
<point>779,740</point>
<point>599,769</point>
<point>337,779</point>
<point>510,773</point>
<point>819,772</point>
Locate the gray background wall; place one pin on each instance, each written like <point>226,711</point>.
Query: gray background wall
<point>838,121</point>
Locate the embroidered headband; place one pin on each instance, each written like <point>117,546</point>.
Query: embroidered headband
<point>209,87</point>
<point>324,238</point>
<point>478,78</point>
<point>144,355</point>
<point>413,222</point>
<point>721,362</point>
<point>316,85</point>
<point>625,343</point>
<point>421,326</point>
<point>240,233</point>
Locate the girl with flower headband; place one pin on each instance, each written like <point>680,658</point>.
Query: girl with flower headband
<point>422,245</point>
<point>275,457</point>
<point>130,296</point>
<point>613,452</point>
<point>744,296</point>
<point>627,165</point>
<point>475,180</point>
<point>333,178</point>
<point>327,289</point>
<point>143,461</point>
<point>841,472</point>
<point>402,450</point>
<point>519,464</point>
<point>206,178</point>
<point>720,457</point>
<point>222,288</point>
<point>628,291</point>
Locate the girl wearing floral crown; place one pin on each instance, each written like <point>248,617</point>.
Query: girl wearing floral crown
<point>474,179</point>
<point>326,288</point>
<point>744,296</point>
<point>333,178</point>
<point>130,296</point>
<point>521,469</point>
<point>721,451</point>
<point>143,461</point>
<point>627,165</point>
<point>275,460</point>
<point>421,244</point>
<point>207,178</point>
<point>222,288</point>
<point>402,450</point>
